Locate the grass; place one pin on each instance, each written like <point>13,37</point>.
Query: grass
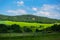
<point>22,24</point>
<point>39,36</point>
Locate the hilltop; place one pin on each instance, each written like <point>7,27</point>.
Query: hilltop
<point>28,18</point>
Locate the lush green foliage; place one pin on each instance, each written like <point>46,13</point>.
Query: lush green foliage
<point>14,28</point>
<point>54,28</point>
<point>28,18</point>
<point>28,25</point>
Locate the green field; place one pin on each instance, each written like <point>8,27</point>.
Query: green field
<point>22,24</point>
<point>30,36</point>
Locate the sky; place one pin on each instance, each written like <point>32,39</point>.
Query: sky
<point>46,8</point>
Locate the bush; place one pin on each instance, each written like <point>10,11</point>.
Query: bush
<point>3,28</point>
<point>16,28</point>
<point>26,29</point>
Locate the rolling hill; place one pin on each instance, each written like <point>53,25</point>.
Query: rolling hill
<point>28,18</point>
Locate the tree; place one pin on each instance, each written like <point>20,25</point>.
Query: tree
<point>26,29</point>
<point>3,28</point>
<point>55,28</point>
<point>37,30</point>
<point>16,28</point>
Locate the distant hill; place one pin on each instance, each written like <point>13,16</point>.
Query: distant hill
<point>28,18</point>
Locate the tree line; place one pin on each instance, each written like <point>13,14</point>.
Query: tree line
<point>18,29</point>
<point>54,28</point>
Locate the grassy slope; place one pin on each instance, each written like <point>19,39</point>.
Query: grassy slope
<point>22,24</point>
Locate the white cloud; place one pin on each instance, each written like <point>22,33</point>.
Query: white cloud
<point>45,13</point>
<point>34,9</point>
<point>49,11</point>
<point>20,3</point>
<point>42,13</point>
<point>17,12</point>
<point>47,7</point>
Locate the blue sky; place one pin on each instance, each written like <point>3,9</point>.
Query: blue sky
<point>46,8</point>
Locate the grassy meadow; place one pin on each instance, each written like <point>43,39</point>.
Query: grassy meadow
<point>25,24</point>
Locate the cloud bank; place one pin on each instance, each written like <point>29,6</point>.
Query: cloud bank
<point>51,11</point>
<point>17,12</point>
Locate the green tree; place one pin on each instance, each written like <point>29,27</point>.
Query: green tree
<point>16,28</point>
<point>3,28</point>
<point>26,29</point>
